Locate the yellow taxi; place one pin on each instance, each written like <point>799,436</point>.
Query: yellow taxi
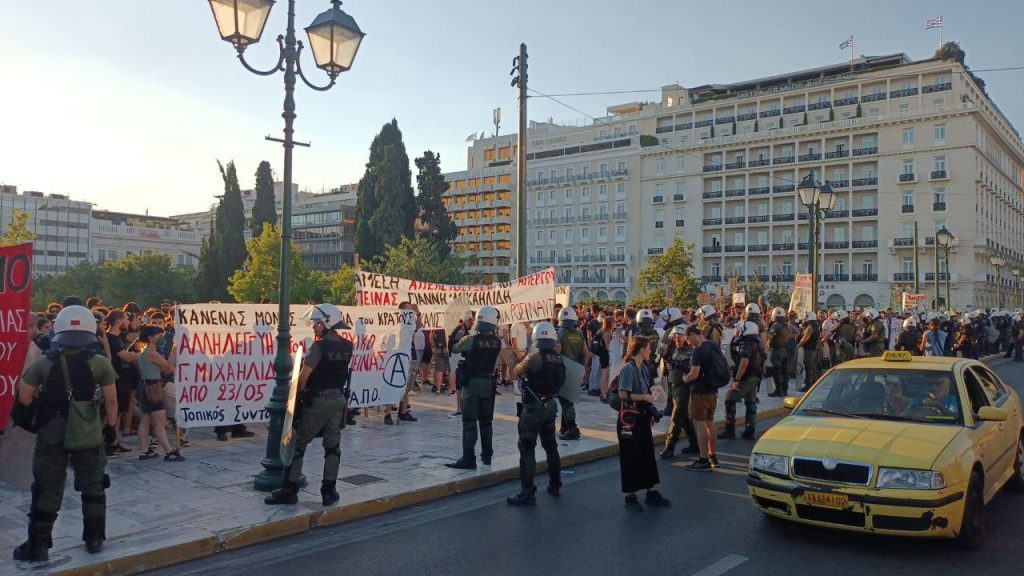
<point>900,445</point>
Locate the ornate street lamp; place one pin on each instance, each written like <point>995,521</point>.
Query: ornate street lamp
<point>998,261</point>
<point>944,239</point>
<point>334,38</point>
<point>816,197</point>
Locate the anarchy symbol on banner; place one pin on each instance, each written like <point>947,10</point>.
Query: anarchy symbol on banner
<point>395,370</point>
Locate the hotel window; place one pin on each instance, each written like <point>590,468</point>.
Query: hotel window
<point>602,191</point>
<point>908,136</point>
<point>787,268</point>
<point>620,233</point>
<point>908,166</point>
<point>867,267</point>
<point>659,167</point>
<point>621,167</point>
<point>567,236</point>
<point>680,164</point>
<point>568,195</point>
<point>838,267</point>
<point>940,132</point>
<point>908,230</point>
<point>940,163</point>
<point>681,187</point>
<point>908,265</point>
<point>940,195</point>
<point>584,234</point>
<point>585,194</point>
<point>602,233</point>
<point>908,198</point>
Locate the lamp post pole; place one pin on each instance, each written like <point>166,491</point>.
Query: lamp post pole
<point>998,261</point>
<point>334,39</point>
<point>1016,287</point>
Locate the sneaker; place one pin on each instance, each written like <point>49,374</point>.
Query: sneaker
<point>148,455</point>
<point>389,420</point>
<point>654,498</point>
<point>522,499</point>
<point>437,392</point>
<point>699,465</point>
<point>668,453</point>
<point>573,434</point>
<point>633,503</point>
<point>713,460</point>
<point>407,417</point>
<point>174,457</point>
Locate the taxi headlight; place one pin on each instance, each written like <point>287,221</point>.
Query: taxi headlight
<point>910,479</point>
<point>770,463</point>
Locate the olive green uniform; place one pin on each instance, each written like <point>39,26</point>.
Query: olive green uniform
<point>812,331</point>
<point>480,353</point>
<point>749,348</point>
<point>778,341</point>
<point>679,366</point>
<point>874,338</point>
<point>545,374</point>
<point>572,344</point>
<point>50,459</point>
<point>846,334</point>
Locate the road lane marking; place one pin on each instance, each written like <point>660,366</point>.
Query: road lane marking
<point>733,494</point>
<point>722,566</point>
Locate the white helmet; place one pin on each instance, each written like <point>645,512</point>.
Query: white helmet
<point>488,315</point>
<point>840,315</point>
<point>869,313</point>
<point>328,314</point>
<point>75,327</point>
<point>707,311</point>
<point>678,331</point>
<point>752,308</point>
<point>811,315</point>
<point>644,315</point>
<point>672,314</point>
<point>778,312</point>
<point>975,314</point>
<point>544,331</point>
<point>568,313</point>
<point>749,328</point>
<point>910,322</point>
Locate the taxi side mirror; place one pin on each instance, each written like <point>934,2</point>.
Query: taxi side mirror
<point>790,402</point>
<point>992,414</point>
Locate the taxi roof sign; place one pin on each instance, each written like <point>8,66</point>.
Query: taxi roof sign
<point>896,356</point>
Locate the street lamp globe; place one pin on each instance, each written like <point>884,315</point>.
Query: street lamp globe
<point>997,260</point>
<point>808,190</point>
<point>241,22</point>
<point>944,237</point>
<point>334,38</point>
<point>827,197</point>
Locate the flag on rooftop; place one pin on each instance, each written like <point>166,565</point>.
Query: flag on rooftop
<point>846,43</point>
<point>933,22</point>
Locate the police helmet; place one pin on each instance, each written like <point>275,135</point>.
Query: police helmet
<point>326,314</point>
<point>678,331</point>
<point>811,315</point>
<point>545,336</point>
<point>487,319</point>
<point>778,312</point>
<point>644,315</point>
<point>869,313</point>
<point>567,317</point>
<point>910,322</point>
<point>752,308</point>
<point>75,327</point>
<point>672,314</point>
<point>707,311</point>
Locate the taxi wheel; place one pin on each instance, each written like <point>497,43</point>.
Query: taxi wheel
<point>1016,482</point>
<point>972,526</point>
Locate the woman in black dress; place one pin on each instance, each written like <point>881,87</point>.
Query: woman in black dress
<point>637,464</point>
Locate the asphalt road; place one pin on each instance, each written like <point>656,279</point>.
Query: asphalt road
<point>711,529</point>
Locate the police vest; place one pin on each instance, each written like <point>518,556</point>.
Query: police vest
<point>53,396</point>
<point>548,379</point>
<point>750,346</point>
<point>815,335</point>
<point>846,331</point>
<point>332,371</point>
<point>779,334</point>
<point>483,355</point>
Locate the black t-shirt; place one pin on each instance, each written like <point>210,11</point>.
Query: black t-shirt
<point>702,357</point>
<point>117,345</point>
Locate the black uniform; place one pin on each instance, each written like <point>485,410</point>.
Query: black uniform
<point>545,375</point>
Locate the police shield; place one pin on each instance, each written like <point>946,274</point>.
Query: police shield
<point>573,380</point>
<point>287,429</point>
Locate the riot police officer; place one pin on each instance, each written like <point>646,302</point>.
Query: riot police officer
<point>545,375</point>
<point>68,387</point>
<point>845,336</point>
<point>748,355</point>
<point>909,338</point>
<point>679,365</point>
<point>323,390</point>
<point>778,342</point>
<point>810,340</point>
<point>573,346</point>
<point>666,348</point>
<point>710,324</point>
<point>752,313</point>
<point>480,352</point>
<point>645,319</point>
<point>874,333</point>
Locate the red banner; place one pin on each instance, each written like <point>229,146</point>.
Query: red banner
<point>15,315</point>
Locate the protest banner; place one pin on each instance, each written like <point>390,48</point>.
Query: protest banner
<point>739,298</point>
<point>15,316</point>
<point>525,299</point>
<point>800,301</point>
<point>911,301</point>
<point>225,369</point>
<point>703,298</point>
<point>563,295</point>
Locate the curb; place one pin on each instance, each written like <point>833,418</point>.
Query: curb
<point>233,540</point>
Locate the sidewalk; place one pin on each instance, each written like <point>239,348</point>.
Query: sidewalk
<point>161,513</point>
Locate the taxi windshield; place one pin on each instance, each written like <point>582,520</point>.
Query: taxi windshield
<point>926,396</point>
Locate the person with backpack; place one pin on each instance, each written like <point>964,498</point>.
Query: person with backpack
<point>748,355</point>
<point>545,375</point>
<point>600,348</point>
<point>61,398</point>
<point>708,373</point>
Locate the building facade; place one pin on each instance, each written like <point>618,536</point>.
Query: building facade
<point>115,235</point>
<point>61,226</point>
<point>902,143</point>
<point>323,230</point>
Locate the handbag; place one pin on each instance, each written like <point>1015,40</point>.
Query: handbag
<point>154,391</point>
<point>84,430</point>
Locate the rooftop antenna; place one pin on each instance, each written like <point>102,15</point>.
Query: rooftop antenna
<point>497,121</point>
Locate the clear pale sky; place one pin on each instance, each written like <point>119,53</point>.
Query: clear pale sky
<point>129,104</point>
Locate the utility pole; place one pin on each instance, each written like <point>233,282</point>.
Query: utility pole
<point>935,241</point>
<point>519,71</point>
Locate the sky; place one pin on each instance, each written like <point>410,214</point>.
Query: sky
<point>129,104</point>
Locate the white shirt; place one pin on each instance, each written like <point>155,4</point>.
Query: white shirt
<point>520,333</point>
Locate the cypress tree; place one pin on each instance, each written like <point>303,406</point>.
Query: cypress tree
<point>439,228</point>
<point>264,210</point>
<point>386,206</point>
<point>229,231</point>
<point>208,258</point>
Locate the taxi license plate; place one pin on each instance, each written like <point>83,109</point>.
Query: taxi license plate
<point>826,500</point>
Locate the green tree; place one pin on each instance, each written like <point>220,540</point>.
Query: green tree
<point>146,279</point>
<point>805,119</point>
<point>421,260</point>
<point>260,276</point>
<point>648,140</point>
<point>438,226</point>
<point>831,115</point>
<point>951,51</point>
<point>226,248</point>
<point>18,231</point>
<point>669,274</point>
<point>343,286</point>
<point>84,280</point>
<point>264,210</point>
<point>386,206</point>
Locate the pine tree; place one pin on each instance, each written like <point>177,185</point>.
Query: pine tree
<point>439,228</point>
<point>227,244</point>
<point>386,208</point>
<point>264,210</point>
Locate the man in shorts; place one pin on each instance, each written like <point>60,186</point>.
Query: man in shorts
<point>703,398</point>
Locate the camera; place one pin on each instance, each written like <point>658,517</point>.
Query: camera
<point>653,413</point>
